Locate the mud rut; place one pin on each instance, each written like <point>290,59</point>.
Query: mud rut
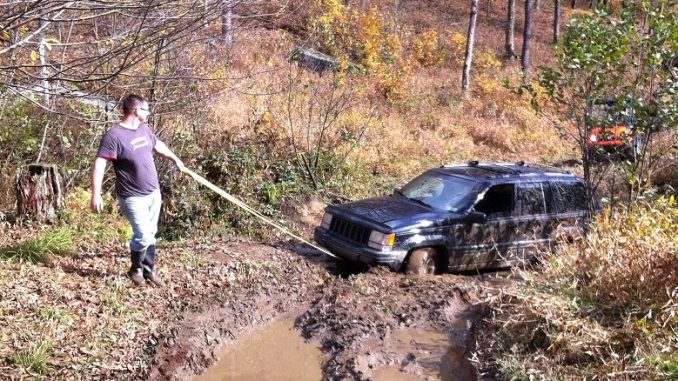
<point>353,319</point>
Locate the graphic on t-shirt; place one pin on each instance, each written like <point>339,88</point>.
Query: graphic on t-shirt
<point>139,142</point>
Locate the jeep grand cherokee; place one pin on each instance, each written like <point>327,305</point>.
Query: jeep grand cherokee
<point>458,217</point>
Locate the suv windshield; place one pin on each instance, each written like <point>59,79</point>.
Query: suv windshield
<point>441,191</point>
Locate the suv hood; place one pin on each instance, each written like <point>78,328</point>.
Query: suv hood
<point>392,211</point>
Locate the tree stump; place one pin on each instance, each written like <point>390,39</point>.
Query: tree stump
<point>39,195</point>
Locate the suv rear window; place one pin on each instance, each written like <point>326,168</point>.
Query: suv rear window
<point>570,196</point>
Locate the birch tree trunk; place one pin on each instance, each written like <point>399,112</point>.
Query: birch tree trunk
<point>510,28</point>
<point>227,22</point>
<point>469,46</point>
<point>206,24</point>
<point>527,40</point>
<point>42,54</point>
<point>556,21</point>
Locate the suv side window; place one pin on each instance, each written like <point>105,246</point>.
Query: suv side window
<point>570,196</point>
<point>497,202</point>
<point>531,199</point>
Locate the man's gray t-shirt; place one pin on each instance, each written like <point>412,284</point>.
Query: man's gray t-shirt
<point>131,152</point>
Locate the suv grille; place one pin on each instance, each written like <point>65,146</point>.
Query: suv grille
<point>350,231</point>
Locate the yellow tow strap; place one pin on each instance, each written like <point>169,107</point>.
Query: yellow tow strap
<point>250,210</point>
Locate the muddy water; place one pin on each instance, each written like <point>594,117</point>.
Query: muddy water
<point>276,352</point>
<point>391,373</point>
<point>436,356</point>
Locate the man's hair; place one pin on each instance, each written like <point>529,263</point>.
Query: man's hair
<point>131,102</point>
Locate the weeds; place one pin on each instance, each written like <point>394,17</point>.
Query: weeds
<point>36,359</point>
<point>362,285</point>
<point>57,315</point>
<point>603,306</point>
<point>58,241</point>
<point>115,302</point>
<point>250,270</point>
<point>191,261</point>
<point>95,228</point>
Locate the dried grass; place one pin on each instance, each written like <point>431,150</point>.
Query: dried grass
<point>606,306</point>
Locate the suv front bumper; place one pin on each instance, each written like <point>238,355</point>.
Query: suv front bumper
<point>358,253</point>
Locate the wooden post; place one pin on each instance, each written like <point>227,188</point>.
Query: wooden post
<point>39,194</point>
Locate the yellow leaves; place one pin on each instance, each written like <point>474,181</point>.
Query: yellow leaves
<point>34,55</point>
<point>458,42</point>
<point>488,61</point>
<point>333,11</point>
<point>426,50</point>
<point>5,36</point>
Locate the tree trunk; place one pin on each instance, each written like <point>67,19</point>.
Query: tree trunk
<point>556,21</point>
<point>39,195</point>
<point>42,54</point>
<point>527,40</point>
<point>469,45</point>
<point>227,22</point>
<point>510,28</point>
<point>206,23</point>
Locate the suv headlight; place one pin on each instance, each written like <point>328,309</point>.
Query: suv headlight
<point>381,241</point>
<point>327,220</point>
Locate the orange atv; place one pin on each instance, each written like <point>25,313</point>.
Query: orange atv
<point>610,133</point>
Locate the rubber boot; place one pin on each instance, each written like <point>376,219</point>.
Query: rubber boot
<point>136,270</point>
<point>149,267</point>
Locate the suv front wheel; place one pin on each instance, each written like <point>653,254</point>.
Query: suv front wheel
<point>422,261</point>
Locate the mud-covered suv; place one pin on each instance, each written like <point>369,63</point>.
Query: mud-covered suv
<point>459,217</point>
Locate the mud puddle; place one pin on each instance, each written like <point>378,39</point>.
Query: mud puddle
<point>274,352</point>
<point>372,325</point>
<point>423,355</point>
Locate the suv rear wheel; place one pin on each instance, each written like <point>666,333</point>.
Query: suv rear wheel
<point>422,261</point>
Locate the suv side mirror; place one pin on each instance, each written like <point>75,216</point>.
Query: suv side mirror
<point>477,217</point>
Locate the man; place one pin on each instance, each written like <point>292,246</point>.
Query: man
<point>129,146</point>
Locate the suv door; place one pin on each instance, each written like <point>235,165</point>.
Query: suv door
<point>570,206</point>
<point>493,242</point>
<point>535,218</point>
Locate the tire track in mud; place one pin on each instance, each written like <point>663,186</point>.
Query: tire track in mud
<point>354,320</point>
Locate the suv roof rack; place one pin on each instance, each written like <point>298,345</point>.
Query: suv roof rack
<point>515,169</point>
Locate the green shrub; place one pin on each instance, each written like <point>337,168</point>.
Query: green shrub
<point>58,241</point>
<point>36,359</point>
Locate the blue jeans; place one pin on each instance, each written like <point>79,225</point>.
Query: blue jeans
<point>142,212</point>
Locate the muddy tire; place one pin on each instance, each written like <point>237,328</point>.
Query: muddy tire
<point>422,261</point>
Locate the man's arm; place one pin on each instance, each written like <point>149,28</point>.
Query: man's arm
<point>97,202</point>
<point>162,150</point>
